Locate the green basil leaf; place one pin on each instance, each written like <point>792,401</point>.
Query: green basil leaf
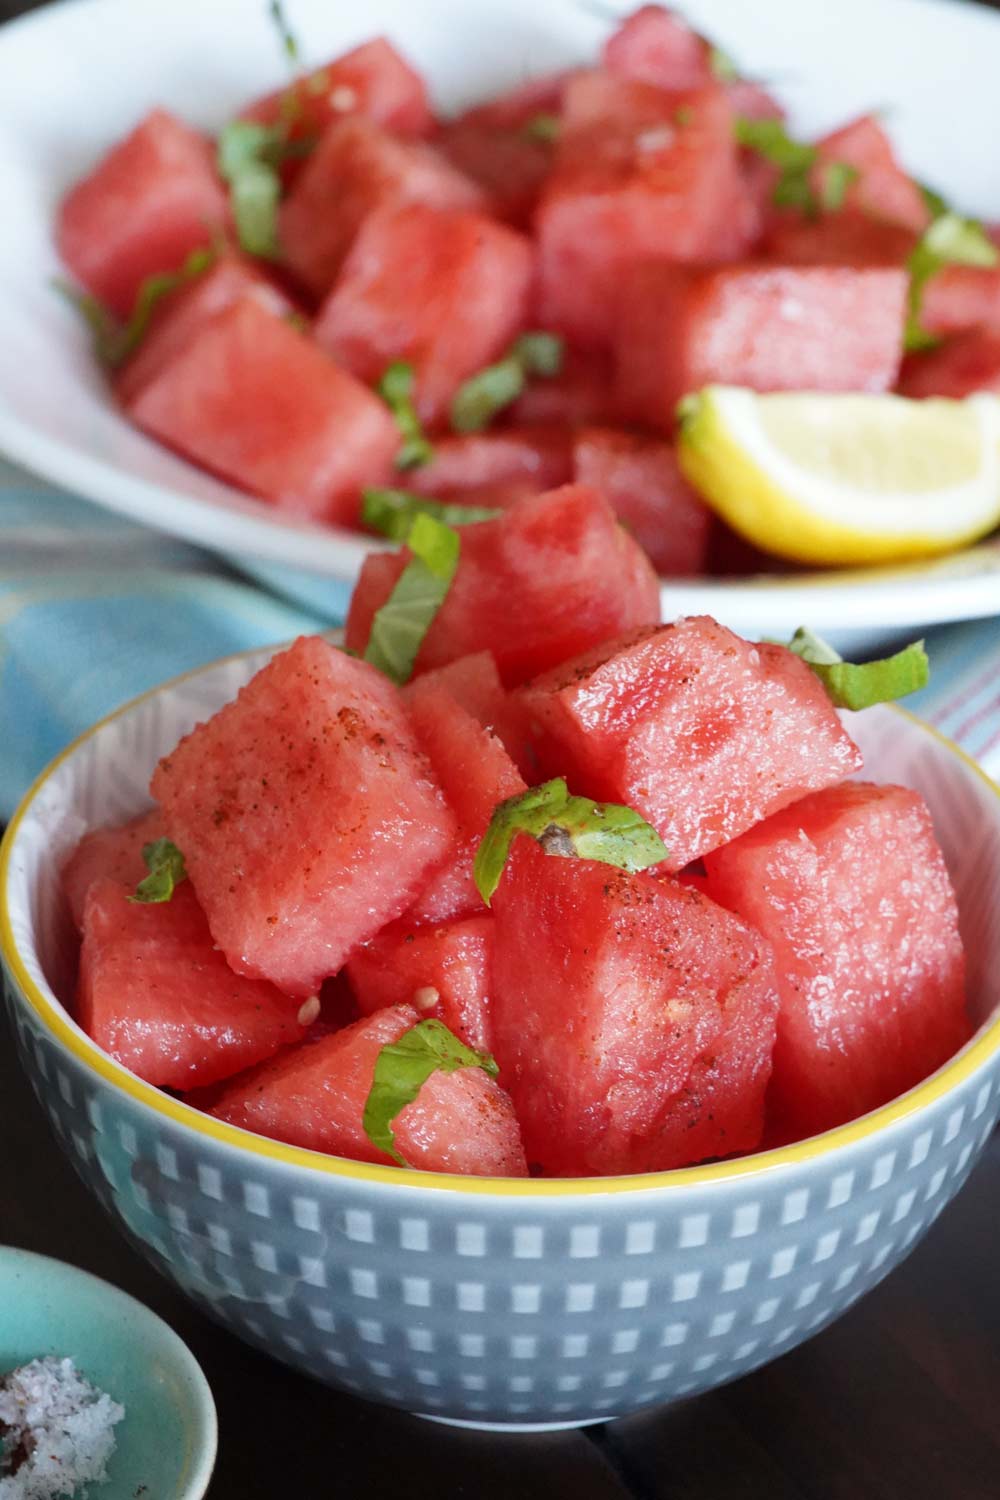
<point>936,203</point>
<point>565,825</point>
<point>540,353</point>
<point>794,160</point>
<point>950,240</point>
<point>248,159</point>
<point>837,178</point>
<point>858,686</point>
<point>289,41</point>
<point>114,342</point>
<point>399,627</point>
<point>166,867</point>
<point>105,330</point>
<point>396,389</point>
<point>392,512</point>
<point>401,1070</point>
<point>484,395</point>
<point>541,127</point>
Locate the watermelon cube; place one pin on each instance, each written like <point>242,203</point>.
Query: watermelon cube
<point>372,80</point>
<point>772,328</point>
<point>633,1019</point>
<point>840,239</point>
<point>641,479</point>
<point>582,392</point>
<point>965,364</point>
<point>552,576</point>
<point>700,731</point>
<point>442,971</point>
<point>356,168</point>
<point>153,199</point>
<point>960,298</point>
<point>306,813</point>
<point>315,1097</point>
<point>256,401</point>
<point>655,45</point>
<point>882,188</point>
<point>850,888</point>
<point>640,172</point>
<point>179,318</point>
<point>495,144</point>
<point>540,457</point>
<point>475,773</point>
<point>447,292</point>
<point>114,853</point>
<point>474,684</point>
<point>158,996</point>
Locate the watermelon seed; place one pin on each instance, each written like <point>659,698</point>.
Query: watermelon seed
<point>426,997</point>
<point>308,1011</point>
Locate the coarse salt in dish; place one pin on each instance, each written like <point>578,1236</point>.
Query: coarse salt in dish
<point>56,1431</point>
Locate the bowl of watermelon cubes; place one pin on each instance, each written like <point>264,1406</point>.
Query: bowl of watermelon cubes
<point>521,1011</point>
<point>352,263</point>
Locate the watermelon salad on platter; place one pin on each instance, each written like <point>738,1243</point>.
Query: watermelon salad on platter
<point>629,275</point>
<point>520,880</point>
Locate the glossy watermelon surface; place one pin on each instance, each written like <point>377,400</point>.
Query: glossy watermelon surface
<point>850,888</point>
<point>641,479</point>
<point>633,1019</point>
<point>157,995</point>
<point>113,852</point>
<point>442,970</point>
<point>315,1097</point>
<point>307,814</point>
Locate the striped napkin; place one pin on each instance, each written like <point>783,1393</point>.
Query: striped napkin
<point>94,610</point>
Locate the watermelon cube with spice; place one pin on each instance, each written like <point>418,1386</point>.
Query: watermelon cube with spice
<point>442,970</point>
<point>473,682</point>
<point>446,292</point>
<point>153,199</point>
<point>772,328</point>
<point>552,576</point>
<point>700,731</point>
<point>156,994</point>
<point>255,401</point>
<point>850,888</point>
<point>633,1019</point>
<point>356,168</point>
<point>306,813</point>
<point>314,1096</point>
<point>641,479</point>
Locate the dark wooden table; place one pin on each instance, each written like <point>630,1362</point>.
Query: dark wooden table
<point>900,1400</point>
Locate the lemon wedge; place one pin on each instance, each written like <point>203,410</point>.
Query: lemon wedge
<point>833,479</point>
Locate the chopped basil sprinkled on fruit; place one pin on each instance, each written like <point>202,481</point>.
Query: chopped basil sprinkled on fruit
<point>401,1070</point>
<point>722,65</point>
<point>837,177</point>
<point>392,512</point>
<point>563,824</point>
<point>862,686</point>
<point>399,627</point>
<point>288,38</point>
<point>396,390</point>
<point>479,399</point>
<point>542,127</point>
<point>248,159</point>
<point>114,341</point>
<point>936,203</point>
<point>795,161</point>
<point>166,867</point>
<point>949,241</point>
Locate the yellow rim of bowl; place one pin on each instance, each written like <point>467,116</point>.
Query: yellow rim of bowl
<point>56,1020</point>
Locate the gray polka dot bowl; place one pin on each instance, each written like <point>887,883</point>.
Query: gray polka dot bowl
<point>524,1304</point>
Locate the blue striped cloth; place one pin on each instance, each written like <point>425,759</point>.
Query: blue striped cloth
<point>94,610</point>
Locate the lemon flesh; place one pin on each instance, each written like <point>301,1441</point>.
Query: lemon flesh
<point>838,479</point>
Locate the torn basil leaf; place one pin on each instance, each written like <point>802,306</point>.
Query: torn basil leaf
<point>837,177</point>
<point>249,155</point>
<point>289,41</point>
<point>564,824</point>
<point>858,686</point>
<point>399,627</point>
<point>794,160</point>
<point>396,389</point>
<point>166,867</point>
<point>541,127</point>
<point>401,1070</point>
<point>484,395</point>
<point>392,512</point>
<point>114,342</point>
<point>950,240</point>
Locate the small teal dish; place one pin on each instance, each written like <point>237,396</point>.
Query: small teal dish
<point>166,1442</point>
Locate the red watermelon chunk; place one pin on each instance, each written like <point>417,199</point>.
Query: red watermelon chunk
<point>960,298</point>
<point>256,401</point>
<point>582,392</point>
<point>158,996</point>
<point>474,684</point>
<point>447,292</point>
<point>373,80</point>
<point>315,1097</point>
<point>700,731</point>
<point>633,1019</point>
<point>475,773</point>
<point>554,575</point>
<point>965,364</point>
<point>495,144</point>
<point>850,888</point>
<point>153,199</point>
<point>640,172</point>
<point>306,813</point>
<point>655,45</point>
<point>442,971</point>
<point>641,479</point>
<point>115,853</point>
<point>840,239</point>
<point>180,317</point>
<point>356,168</point>
<point>882,188</point>
<point>772,328</point>
<point>541,457</point>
